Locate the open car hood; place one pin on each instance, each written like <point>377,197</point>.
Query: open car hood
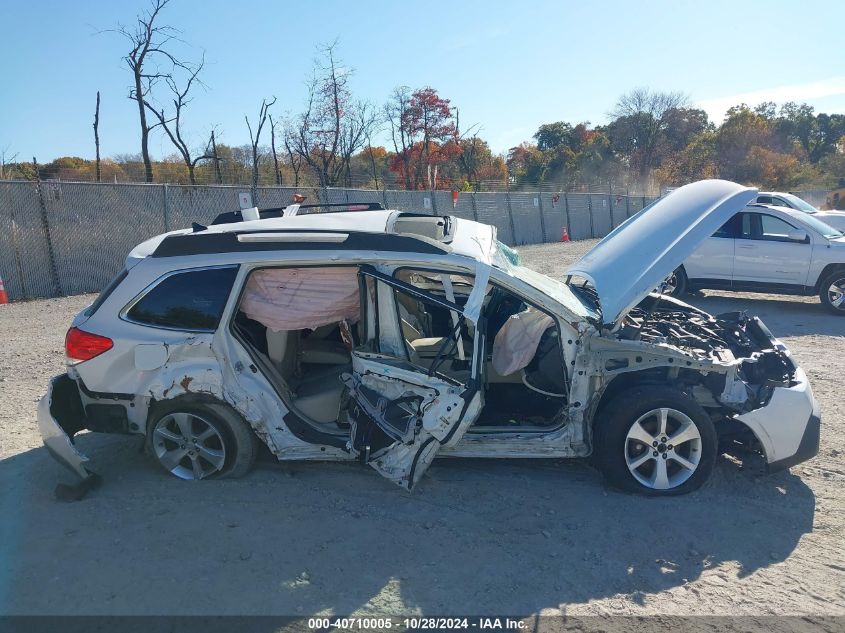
<point>639,254</point>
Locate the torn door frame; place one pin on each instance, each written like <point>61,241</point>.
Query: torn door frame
<point>446,407</point>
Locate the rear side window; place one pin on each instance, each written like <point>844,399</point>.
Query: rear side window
<point>190,300</point>
<point>101,299</point>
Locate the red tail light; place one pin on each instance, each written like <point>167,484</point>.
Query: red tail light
<point>81,345</point>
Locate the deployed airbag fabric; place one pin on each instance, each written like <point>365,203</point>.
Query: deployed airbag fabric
<point>302,298</point>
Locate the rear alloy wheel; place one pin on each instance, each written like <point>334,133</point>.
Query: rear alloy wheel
<point>202,441</point>
<point>655,440</point>
<point>189,446</point>
<point>832,292</point>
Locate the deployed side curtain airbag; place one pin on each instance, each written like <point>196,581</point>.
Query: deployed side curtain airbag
<point>517,341</point>
<point>302,298</point>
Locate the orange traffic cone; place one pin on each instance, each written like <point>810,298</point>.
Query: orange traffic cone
<point>4,298</point>
<point>564,237</point>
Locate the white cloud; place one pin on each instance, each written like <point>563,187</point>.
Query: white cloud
<point>808,92</point>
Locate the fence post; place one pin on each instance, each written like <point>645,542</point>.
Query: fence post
<point>433,202</point>
<point>590,209</point>
<point>16,244</point>
<point>510,216</point>
<point>542,217</point>
<point>48,238</point>
<point>627,205</point>
<point>566,209</point>
<point>610,210</point>
<point>474,207</point>
<point>167,209</point>
<point>384,197</point>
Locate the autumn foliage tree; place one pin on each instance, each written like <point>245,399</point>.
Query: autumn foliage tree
<point>652,139</point>
<point>424,133</point>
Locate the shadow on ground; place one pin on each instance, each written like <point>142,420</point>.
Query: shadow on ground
<point>785,316</point>
<point>477,536</point>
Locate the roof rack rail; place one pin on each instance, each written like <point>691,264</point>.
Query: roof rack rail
<point>231,217</point>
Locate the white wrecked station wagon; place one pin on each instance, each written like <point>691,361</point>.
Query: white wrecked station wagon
<point>393,338</point>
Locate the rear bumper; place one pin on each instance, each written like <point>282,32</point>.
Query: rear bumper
<point>60,416</point>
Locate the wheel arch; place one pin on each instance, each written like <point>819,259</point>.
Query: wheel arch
<point>183,399</point>
<point>623,382</point>
<point>685,383</point>
<point>827,270</point>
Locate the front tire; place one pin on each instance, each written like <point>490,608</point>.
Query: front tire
<point>655,441</point>
<point>200,440</point>
<point>832,292</point>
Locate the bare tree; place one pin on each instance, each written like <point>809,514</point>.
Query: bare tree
<point>148,41</point>
<point>255,137</point>
<point>372,159</point>
<point>641,116</point>
<point>273,149</point>
<point>396,112</point>
<point>97,136</point>
<point>471,149</point>
<point>212,144</point>
<point>333,126</point>
<point>172,125</point>
<point>5,160</point>
<point>469,158</point>
<point>294,159</point>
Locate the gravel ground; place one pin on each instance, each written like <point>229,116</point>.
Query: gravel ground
<point>477,536</point>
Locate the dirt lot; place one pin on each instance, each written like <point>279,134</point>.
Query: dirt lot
<point>475,537</point>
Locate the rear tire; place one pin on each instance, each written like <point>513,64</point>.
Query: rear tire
<point>655,441</point>
<point>832,292</point>
<point>201,440</point>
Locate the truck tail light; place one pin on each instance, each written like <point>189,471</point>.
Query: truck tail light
<point>81,345</point>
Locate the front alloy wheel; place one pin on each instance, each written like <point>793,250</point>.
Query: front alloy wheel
<point>663,448</point>
<point>654,440</point>
<point>832,293</point>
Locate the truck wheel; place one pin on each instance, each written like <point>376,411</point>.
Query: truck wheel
<point>832,292</point>
<point>656,441</point>
<point>194,440</point>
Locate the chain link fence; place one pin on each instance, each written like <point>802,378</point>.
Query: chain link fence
<point>65,238</point>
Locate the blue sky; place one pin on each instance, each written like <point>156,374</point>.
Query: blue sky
<point>509,66</point>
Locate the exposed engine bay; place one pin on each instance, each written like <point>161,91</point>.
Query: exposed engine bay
<point>757,361</point>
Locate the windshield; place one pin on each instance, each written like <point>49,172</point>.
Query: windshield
<point>798,203</point>
<point>505,258</point>
<point>820,227</point>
